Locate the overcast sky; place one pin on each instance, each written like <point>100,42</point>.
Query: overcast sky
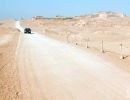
<point>28,8</point>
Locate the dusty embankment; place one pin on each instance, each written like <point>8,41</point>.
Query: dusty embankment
<point>78,30</point>
<point>9,83</point>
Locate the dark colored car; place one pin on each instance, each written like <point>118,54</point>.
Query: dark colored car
<point>27,30</point>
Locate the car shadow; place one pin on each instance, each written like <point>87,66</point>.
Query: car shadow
<point>29,33</point>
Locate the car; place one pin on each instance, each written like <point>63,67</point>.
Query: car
<point>27,30</point>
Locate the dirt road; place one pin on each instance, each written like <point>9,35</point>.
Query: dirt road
<point>50,70</point>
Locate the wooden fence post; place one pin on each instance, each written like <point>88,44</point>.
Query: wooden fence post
<point>87,43</point>
<point>68,34</point>
<point>121,50</point>
<point>102,47</point>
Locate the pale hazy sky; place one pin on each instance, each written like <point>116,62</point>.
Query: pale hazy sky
<point>28,8</point>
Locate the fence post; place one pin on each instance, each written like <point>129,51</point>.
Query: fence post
<point>121,50</point>
<point>102,47</point>
<point>87,43</point>
<point>68,33</point>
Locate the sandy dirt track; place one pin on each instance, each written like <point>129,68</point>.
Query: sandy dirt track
<point>50,70</point>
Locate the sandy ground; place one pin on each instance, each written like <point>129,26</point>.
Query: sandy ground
<point>9,82</point>
<point>37,67</point>
<point>77,31</point>
<point>52,70</point>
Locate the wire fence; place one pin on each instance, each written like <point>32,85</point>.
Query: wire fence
<point>119,48</point>
<point>122,49</point>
